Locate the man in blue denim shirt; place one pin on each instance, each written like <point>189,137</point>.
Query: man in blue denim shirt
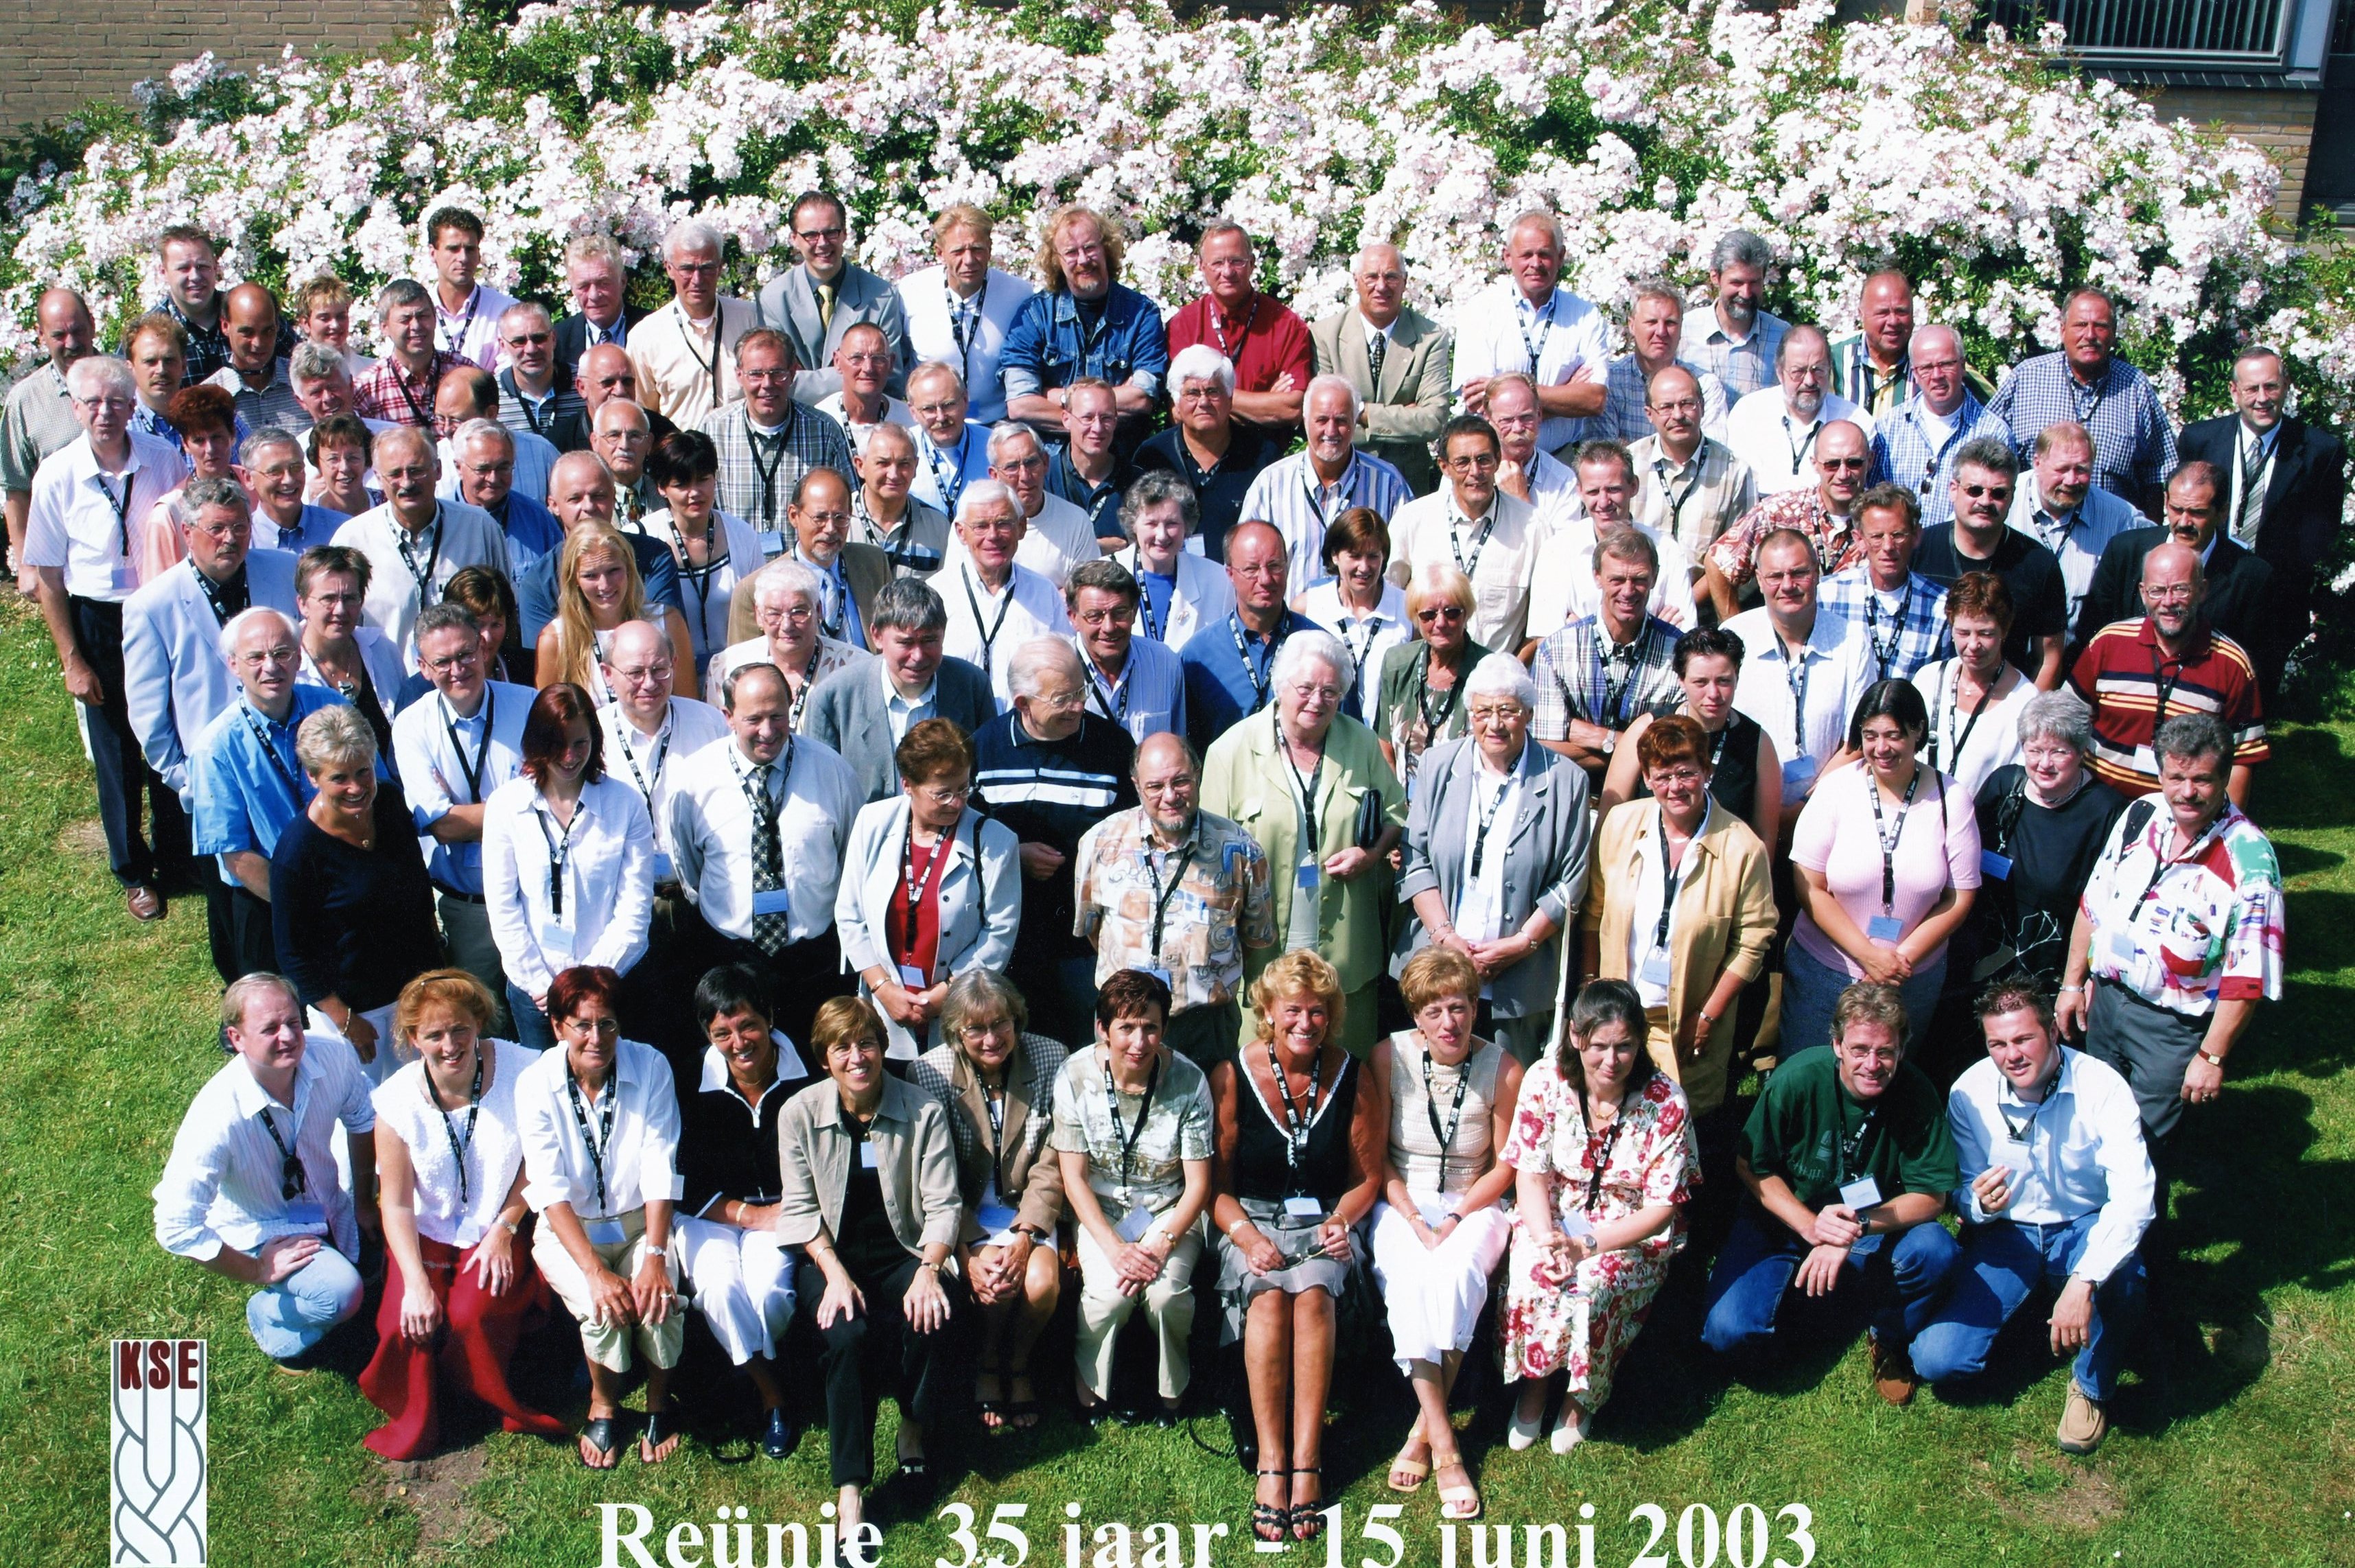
<point>1083,322</point>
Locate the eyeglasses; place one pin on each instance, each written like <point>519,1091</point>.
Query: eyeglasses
<point>1979,492</point>
<point>989,1029</point>
<point>1440,613</point>
<point>452,662</point>
<point>605,1028</point>
<point>1497,712</point>
<point>939,796</point>
<point>1848,462</point>
<point>806,235</point>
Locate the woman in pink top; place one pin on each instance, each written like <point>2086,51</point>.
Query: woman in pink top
<point>1887,853</point>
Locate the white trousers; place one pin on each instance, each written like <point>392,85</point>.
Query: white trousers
<point>1433,1296</point>
<point>743,1284</point>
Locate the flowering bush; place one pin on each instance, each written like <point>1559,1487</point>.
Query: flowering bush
<point>1983,165</point>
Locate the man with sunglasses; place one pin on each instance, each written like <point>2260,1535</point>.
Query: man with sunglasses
<point>1981,539</point>
<point>536,396</point>
<point>251,1190</point>
<point>1825,514</point>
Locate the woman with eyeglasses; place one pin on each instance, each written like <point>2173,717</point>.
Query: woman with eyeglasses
<point>1497,857</point>
<point>340,650</point>
<point>1975,697</point>
<point>1296,1164</point>
<point>715,552</point>
<point>929,889</point>
<point>458,1288</point>
<point>1356,601</point>
<point>2042,823</point>
<point>350,906</point>
<point>597,591</point>
<point>786,602</point>
<point>997,1081</point>
<point>599,1125</point>
<point>568,860</point>
<point>871,1179</point>
<point>1419,700</point>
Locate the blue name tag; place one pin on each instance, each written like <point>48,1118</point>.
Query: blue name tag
<point>1994,865</point>
<point>1162,975</point>
<point>1798,774</point>
<point>604,1232</point>
<point>1308,875</point>
<point>771,901</point>
<point>664,871</point>
<point>772,543</point>
<point>1885,928</point>
<point>306,1212</point>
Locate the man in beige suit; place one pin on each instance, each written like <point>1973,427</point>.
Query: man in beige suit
<point>1398,360</point>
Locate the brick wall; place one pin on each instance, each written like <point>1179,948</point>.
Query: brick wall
<point>69,51</point>
<point>2282,123</point>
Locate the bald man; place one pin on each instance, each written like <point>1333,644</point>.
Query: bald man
<point>256,372</point>
<point>39,416</point>
<point>1398,360</point>
<point>606,371</point>
<point>2134,673</point>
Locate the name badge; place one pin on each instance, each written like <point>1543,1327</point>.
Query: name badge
<point>1655,971</point>
<point>773,901</point>
<point>1861,1194</point>
<point>1994,865</point>
<point>913,978</point>
<point>1308,875</point>
<point>1798,774</point>
<point>866,1157</point>
<point>555,941</point>
<point>1135,1223</point>
<point>306,1212</point>
<point>1304,1209</point>
<point>2118,944</point>
<point>2011,1152</point>
<point>664,871</point>
<point>992,1212</point>
<point>1163,976</point>
<point>773,542</point>
<point>1579,1228</point>
<point>1885,928</point>
<point>604,1232</point>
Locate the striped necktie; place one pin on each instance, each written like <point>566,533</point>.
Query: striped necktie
<point>2253,495</point>
<point>1376,347</point>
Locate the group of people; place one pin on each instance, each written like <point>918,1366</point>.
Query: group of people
<point>1365,827</point>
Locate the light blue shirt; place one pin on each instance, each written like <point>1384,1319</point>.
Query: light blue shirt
<point>427,739</point>
<point>2084,1155</point>
<point>1149,696</point>
<point>249,786</point>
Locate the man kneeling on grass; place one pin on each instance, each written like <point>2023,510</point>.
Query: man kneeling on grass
<point>2057,1192</point>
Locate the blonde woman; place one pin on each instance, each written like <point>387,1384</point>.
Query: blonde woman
<point>598,590</point>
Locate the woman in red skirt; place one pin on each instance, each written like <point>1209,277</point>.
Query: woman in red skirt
<point>459,1282</point>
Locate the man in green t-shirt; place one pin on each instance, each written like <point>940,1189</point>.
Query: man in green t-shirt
<point>1848,1159</point>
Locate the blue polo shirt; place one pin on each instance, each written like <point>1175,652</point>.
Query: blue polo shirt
<point>1225,683</point>
<point>1100,502</point>
<point>248,785</point>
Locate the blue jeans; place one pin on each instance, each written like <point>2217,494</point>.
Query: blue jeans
<point>289,1317</point>
<point>532,1029</point>
<point>1811,988</point>
<point>2002,1264</point>
<point>1907,1275</point>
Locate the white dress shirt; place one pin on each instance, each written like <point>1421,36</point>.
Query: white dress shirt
<point>74,525</point>
<point>560,896</point>
<point>2083,1155</point>
<point>1147,696</point>
<point>1993,739</point>
<point>985,629</point>
<point>1553,490</point>
<point>1563,587</point>
<point>943,472</point>
<point>894,413</point>
<point>460,536</point>
<point>1203,595</point>
<point>437,751</point>
<point>647,763</point>
<point>1059,539</point>
<point>1832,672</point>
<point>221,1185</point>
<point>684,373</point>
<point>933,334</point>
<point>712,833</point>
<point>1429,530</point>
<point>1497,332</point>
<point>1779,448</point>
<point>638,1160</point>
<point>491,1138</point>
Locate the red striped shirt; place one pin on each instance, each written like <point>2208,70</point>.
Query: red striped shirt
<point>2124,675</point>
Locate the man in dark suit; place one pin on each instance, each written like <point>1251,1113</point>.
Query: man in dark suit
<point>2239,583</point>
<point>864,712</point>
<point>2287,487</point>
<point>594,276</point>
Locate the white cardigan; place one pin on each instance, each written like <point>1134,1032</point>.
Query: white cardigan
<point>980,900</point>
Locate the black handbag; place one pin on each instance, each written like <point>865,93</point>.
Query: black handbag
<point>1370,821</point>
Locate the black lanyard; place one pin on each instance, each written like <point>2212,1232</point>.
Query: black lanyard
<point>559,849</point>
<point>662,750</point>
<point>121,504</point>
<point>459,1145</point>
<point>270,750</point>
<point>226,599</point>
<point>918,881</point>
<point>2019,1130</point>
<point>1677,505</point>
<point>1455,546</point>
<point>292,1179</point>
<point>402,541</point>
<point>1889,841</point>
<point>1307,787</point>
<point>965,325</point>
<point>832,583</point>
<point>1950,680</point>
<point>1358,657</point>
<point>424,414</point>
<point>1260,688</point>
<point>950,493</point>
<point>1613,711</point>
<point>1672,873</point>
<point>1145,601</point>
<point>1601,1165</point>
<point>2166,683</point>
<point>767,808</point>
<point>1112,696</point>
<point>1161,896</point>
<point>1447,1135</point>
<point>1218,328</point>
<point>1297,1129</point>
<point>598,1145</point>
<point>768,472</point>
<point>1315,494</point>
<point>1884,657</point>
<point>1434,722</point>
<point>686,341</point>
<point>1127,1136</point>
<point>1852,1145</point>
<point>1536,350</point>
<point>474,776</point>
<point>995,1105</point>
<point>1799,449</point>
<point>1797,673</point>
<point>715,556</point>
<point>1484,820</point>
<point>456,341</point>
<point>1004,608</point>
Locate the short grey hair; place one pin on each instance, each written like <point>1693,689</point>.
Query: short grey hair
<point>1543,220</point>
<point>271,435</point>
<point>478,428</point>
<point>398,293</point>
<point>404,433</point>
<point>976,992</point>
<point>2060,716</point>
<point>938,367</point>
<point>1155,489</point>
<point>986,492</point>
<point>1200,362</point>
<point>1738,247</point>
<point>1329,381</point>
<point>87,377</point>
<point>1006,430</point>
<point>593,248</point>
<point>909,604</point>
<point>691,234</point>
<point>2190,736</point>
<point>1036,659</point>
<point>315,362</point>
<point>1501,675</point>
<point>337,734</point>
<point>1990,454</point>
<point>782,577</point>
<point>1312,648</point>
<point>234,628</point>
<point>217,490</point>
<point>444,617</point>
<point>524,310</point>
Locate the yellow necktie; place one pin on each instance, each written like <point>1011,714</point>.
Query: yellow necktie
<point>825,307</point>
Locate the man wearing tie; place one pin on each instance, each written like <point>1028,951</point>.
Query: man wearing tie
<point>1398,360</point>
<point>814,303</point>
<point>2288,487</point>
<point>597,283</point>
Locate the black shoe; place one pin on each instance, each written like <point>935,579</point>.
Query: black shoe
<point>778,1436</point>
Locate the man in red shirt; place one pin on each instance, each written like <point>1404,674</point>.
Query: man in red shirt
<point>2136,674</point>
<point>1266,342</point>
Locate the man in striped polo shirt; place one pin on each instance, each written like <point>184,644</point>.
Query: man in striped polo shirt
<point>2136,674</point>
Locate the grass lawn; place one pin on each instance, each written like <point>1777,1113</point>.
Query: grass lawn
<point>2234,1445</point>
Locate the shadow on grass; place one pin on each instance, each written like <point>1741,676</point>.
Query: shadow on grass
<point>2301,789</point>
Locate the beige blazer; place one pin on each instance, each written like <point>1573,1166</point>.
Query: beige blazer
<point>1033,1176</point>
<point>914,1154</point>
<point>1725,902</point>
<point>1403,414</point>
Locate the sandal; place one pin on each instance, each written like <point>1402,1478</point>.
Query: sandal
<point>1021,1414</point>
<point>1266,1517</point>
<point>598,1435</point>
<point>661,1427</point>
<point>1309,1518</point>
<point>1456,1504</point>
<point>992,1410</point>
<point>1415,1471</point>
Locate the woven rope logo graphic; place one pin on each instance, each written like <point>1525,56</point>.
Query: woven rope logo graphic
<point>159,1460</point>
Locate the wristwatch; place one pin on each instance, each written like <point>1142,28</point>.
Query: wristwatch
<point>2212,1058</point>
<point>510,1226</point>
<point>658,1252</point>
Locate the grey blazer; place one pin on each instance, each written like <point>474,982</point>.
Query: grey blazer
<point>790,304</point>
<point>866,568</point>
<point>915,1156</point>
<point>1404,413</point>
<point>845,711</point>
<point>1547,851</point>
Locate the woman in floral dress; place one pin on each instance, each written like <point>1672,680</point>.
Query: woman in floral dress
<point>1604,1150</point>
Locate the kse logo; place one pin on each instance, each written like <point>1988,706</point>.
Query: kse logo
<point>158,1469</point>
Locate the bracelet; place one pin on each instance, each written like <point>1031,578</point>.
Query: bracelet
<point>1237,1226</point>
